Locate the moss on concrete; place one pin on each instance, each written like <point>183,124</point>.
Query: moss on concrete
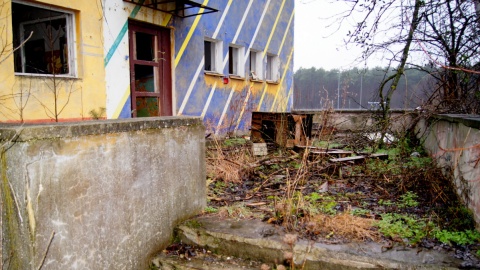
<point>11,239</point>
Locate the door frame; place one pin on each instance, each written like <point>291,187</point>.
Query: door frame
<point>162,64</point>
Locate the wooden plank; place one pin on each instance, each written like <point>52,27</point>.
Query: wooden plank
<point>379,156</point>
<point>358,158</point>
<point>346,159</point>
<point>332,152</point>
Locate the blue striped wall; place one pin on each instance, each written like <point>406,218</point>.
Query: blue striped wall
<point>273,27</point>
<point>198,94</point>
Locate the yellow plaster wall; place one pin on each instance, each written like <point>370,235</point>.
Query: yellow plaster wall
<point>74,97</point>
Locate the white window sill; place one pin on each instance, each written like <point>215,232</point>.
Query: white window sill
<point>236,77</point>
<point>61,76</point>
<point>273,82</point>
<point>256,80</point>
<point>213,73</point>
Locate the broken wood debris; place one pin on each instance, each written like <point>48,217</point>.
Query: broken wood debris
<point>356,159</point>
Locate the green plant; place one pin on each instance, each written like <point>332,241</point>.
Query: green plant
<point>234,141</point>
<point>193,223</point>
<point>296,165</point>
<point>460,238</point>
<point>408,199</point>
<point>210,210</point>
<point>328,208</point>
<point>237,210</point>
<point>360,212</point>
<point>404,226</point>
<point>326,144</point>
<point>385,202</point>
<point>392,152</point>
<point>275,167</point>
<point>418,162</point>
<point>96,115</point>
<point>219,186</point>
<point>313,197</point>
<point>378,168</point>
<point>318,202</point>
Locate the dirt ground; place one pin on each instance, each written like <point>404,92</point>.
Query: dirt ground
<point>329,194</point>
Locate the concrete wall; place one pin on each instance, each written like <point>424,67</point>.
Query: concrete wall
<point>454,140</point>
<point>359,120</point>
<point>98,195</point>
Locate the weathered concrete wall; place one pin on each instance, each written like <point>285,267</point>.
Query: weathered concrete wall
<point>357,120</point>
<point>454,140</point>
<point>98,195</point>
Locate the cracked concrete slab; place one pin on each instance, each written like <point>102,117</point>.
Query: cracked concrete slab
<point>256,240</point>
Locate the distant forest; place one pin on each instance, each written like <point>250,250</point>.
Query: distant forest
<point>317,89</point>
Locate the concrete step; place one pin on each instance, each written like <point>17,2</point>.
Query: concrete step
<point>253,240</point>
<point>203,262</point>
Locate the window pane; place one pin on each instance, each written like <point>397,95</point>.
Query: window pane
<point>269,67</point>
<point>253,61</point>
<point>144,78</point>
<point>44,33</point>
<point>147,106</point>
<point>144,46</point>
<point>230,60</point>
<point>209,63</point>
<point>233,60</point>
<point>46,51</point>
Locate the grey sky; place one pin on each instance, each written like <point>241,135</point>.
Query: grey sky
<point>317,44</point>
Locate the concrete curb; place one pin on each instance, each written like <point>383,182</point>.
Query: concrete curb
<point>253,239</point>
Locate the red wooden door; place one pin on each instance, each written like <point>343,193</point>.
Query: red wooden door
<point>150,70</point>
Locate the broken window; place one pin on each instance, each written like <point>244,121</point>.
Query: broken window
<point>44,38</point>
<point>212,53</point>
<point>235,61</point>
<point>255,64</point>
<point>272,68</point>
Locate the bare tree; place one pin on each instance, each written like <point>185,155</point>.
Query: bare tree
<point>440,37</point>
<point>449,37</point>
<point>396,22</point>
<point>385,98</point>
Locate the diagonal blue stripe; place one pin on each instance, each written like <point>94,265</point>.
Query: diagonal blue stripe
<point>122,33</point>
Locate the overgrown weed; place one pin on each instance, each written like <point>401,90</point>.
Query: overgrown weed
<point>226,159</point>
<point>405,198</point>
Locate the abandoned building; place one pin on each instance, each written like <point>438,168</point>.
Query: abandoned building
<point>78,60</point>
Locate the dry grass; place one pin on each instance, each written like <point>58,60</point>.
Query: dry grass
<point>237,211</point>
<point>344,225</point>
<point>225,170</point>
<point>225,165</point>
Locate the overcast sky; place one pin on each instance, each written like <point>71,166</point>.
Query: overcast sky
<point>318,45</point>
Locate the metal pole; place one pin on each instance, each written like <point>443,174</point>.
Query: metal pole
<point>361,90</point>
<point>338,92</point>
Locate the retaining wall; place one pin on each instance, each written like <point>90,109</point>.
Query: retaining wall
<point>98,195</point>
<point>357,120</point>
<point>454,141</point>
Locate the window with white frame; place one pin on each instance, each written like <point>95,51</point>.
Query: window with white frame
<point>273,64</point>
<point>255,65</point>
<point>44,37</point>
<point>213,55</point>
<point>235,61</point>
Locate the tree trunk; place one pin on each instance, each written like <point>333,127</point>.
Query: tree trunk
<point>386,100</point>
